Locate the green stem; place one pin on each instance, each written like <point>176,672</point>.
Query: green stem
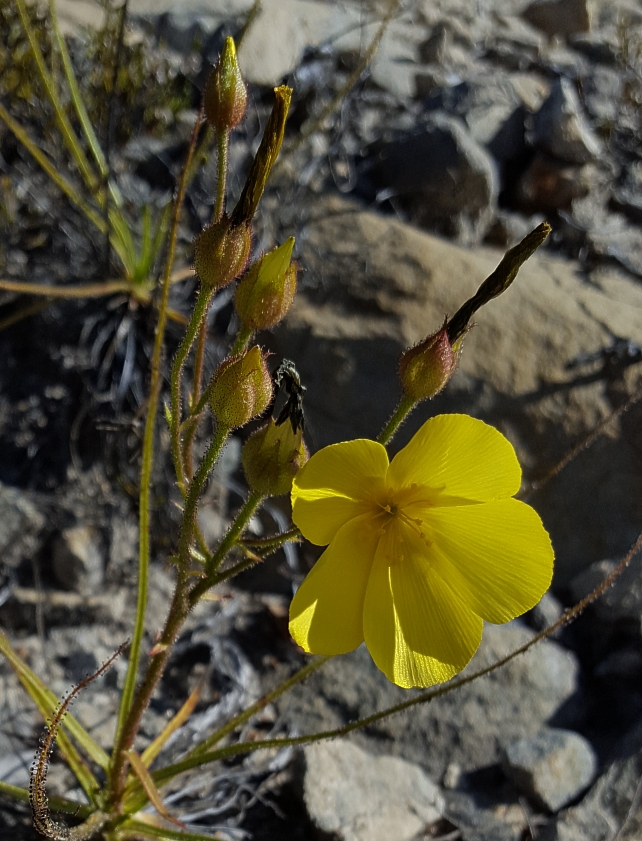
<point>199,313</point>
<point>234,532</point>
<point>196,488</point>
<point>404,408</point>
<point>127,728</point>
<point>265,545</point>
<point>191,429</point>
<point>242,340</point>
<point>223,145</point>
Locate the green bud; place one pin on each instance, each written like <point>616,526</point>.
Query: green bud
<point>221,253</point>
<point>272,456</point>
<point>225,96</point>
<point>265,293</point>
<point>426,368</point>
<point>241,388</point>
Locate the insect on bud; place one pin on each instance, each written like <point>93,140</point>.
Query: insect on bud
<point>265,294</point>
<point>271,458</point>
<point>225,96</point>
<point>221,253</point>
<point>241,388</point>
<point>426,368</point>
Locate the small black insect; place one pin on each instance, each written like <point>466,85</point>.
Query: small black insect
<point>287,377</point>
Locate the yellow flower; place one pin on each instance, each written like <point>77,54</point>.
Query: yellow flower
<point>422,549</point>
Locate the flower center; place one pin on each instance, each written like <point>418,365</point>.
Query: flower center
<point>392,509</point>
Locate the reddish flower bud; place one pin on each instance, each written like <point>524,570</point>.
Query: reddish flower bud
<point>225,95</point>
<point>221,253</point>
<point>426,368</point>
<point>241,388</point>
<point>266,292</point>
<point>272,456</point>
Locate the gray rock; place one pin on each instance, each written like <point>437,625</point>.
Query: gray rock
<point>490,107</point>
<point>20,608</point>
<point>545,613</point>
<point>509,228</point>
<point>274,43</point>
<point>549,184</point>
<point>561,129</point>
<point>513,43</point>
<point>445,180</point>
<point>77,559</point>
<point>123,543</point>
<point>468,726</point>
<point>552,768</point>
<point>354,796</point>
<point>20,524</point>
<point>477,820</point>
<point>618,239</point>
<point>622,602</point>
<point>612,808</point>
<point>559,17</point>
<point>602,92</point>
<point>625,663</point>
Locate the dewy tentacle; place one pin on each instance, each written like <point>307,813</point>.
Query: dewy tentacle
<point>42,820</point>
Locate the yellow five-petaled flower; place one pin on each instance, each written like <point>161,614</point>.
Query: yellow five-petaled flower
<point>422,549</point>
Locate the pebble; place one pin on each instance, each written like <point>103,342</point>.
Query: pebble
<point>359,797</point>
<point>552,768</point>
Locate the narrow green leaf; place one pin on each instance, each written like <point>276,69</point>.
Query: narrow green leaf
<point>59,180</point>
<point>57,804</point>
<point>70,139</point>
<point>148,830</point>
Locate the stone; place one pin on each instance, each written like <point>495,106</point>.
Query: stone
<point>19,610</point>
<point>514,44</point>
<point>549,184</point>
<point>444,179</point>
<point>468,726</point>
<point>622,601</point>
<point>545,613</point>
<point>490,107</point>
<point>354,796</point>
<point>77,559</point>
<point>274,43</point>
<point>612,236</point>
<point>561,129</point>
<point>552,768</point>
<point>20,525</point>
<point>612,808</point>
<point>123,543</point>
<point>375,286</point>
<point>559,17</point>
<point>602,92</point>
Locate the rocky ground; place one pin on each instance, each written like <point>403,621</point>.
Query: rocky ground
<point>476,120</point>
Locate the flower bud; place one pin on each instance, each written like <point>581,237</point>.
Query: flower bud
<point>225,96</point>
<point>221,253</point>
<point>241,388</point>
<point>266,292</point>
<point>426,368</point>
<point>271,458</point>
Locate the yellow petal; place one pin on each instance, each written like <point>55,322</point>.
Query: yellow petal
<point>416,629</point>
<point>497,556</point>
<point>335,485</point>
<point>462,456</point>
<point>326,614</point>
